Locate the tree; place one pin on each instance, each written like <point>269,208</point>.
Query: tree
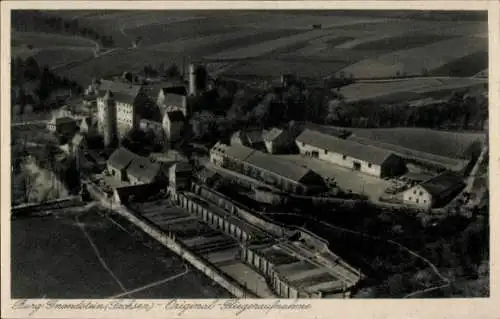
<point>31,70</point>
<point>173,71</point>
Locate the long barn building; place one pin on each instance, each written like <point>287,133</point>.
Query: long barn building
<point>356,156</point>
<point>267,168</point>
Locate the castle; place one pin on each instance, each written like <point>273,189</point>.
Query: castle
<point>120,102</point>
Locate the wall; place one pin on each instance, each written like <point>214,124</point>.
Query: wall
<point>339,159</point>
<point>180,249</point>
<point>239,210</point>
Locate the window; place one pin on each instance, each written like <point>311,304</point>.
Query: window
<point>409,198</point>
<point>425,201</point>
<point>344,157</point>
<point>326,152</point>
<point>417,200</point>
<point>421,193</point>
<point>369,164</point>
<point>414,192</point>
<point>303,144</point>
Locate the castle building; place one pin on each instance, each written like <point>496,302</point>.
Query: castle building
<point>118,109</point>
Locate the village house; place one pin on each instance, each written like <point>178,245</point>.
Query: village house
<point>349,154</point>
<point>62,125</point>
<point>143,171</point>
<point>119,162</point>
<point>435,192</point>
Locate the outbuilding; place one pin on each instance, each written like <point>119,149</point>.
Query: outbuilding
<point>349,154</point>
<point>435,192</point>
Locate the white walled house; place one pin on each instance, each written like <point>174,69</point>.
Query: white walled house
<point>217,154</point>
<point>356,156</point>
<point>435,192</point>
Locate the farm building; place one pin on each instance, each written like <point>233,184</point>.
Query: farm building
<point>356,156</point>
<point>435,192</point>
<point>143,171</point>
<point>126,166</point>
<point>249,138</point>
<point>62,125</point>
<point>278,140</point>
<point>119,162</point>
<point>267,168</point>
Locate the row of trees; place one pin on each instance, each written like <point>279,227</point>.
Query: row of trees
<point>36,85</point>
<point>26,20</point>
<point>460,111</point>
<point>172,71</point>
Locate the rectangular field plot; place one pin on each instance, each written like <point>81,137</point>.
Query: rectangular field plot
<point>417,61</point>
<point>42,40</point>
<point>274,68</point>
<point>388,90</point>
<point>58,260</point>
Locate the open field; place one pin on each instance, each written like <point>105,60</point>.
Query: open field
<point>292,21</point>
<point>59,261</point>
<point>366,44</point>
<point>418,61</point>
<point>273,68</point>
<point>267,47</point>
<point>442,143</point>
<point>42,40</point>
<point>217,42</point>
<point>388,36</point>
<point>410,88</point>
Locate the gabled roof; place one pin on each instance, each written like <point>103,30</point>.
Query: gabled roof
<point>279,166</point>
<point>270,163</point>
<point>349,148</point>
<point>175,116</point>
<point>236,151</point>
<point>442,184</point>
<point>120,91</point>
<point>121,158</point>
<point>272,134</point>
<point>143,169</point>
<point>253,136</point>
<point>173,99</point>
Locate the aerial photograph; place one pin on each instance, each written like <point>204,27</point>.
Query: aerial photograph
<point>164,154</point>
